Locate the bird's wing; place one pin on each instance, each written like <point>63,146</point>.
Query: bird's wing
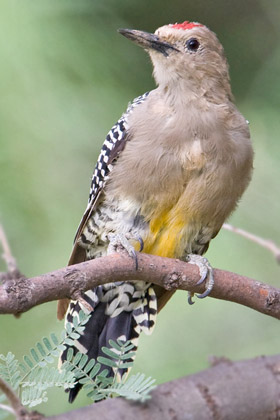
<point>112,147</point>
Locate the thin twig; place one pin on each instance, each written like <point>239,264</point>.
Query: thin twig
<point>7,408</point>
<point>13,273</point>
<point>265,243</point>
<point>7,254</point>
<point>18,410</point>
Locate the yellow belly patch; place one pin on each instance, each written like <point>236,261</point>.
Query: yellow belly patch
<point>165,236</point>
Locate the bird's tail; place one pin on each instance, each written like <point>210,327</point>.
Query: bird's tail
<point>120,311</point>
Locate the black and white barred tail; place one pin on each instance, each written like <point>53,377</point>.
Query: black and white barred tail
<point>120,311</point>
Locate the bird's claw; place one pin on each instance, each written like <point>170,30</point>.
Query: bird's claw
<point>141,242</point>
<point>206,273</point>
<point>117,240</point>
<point>190,296</point>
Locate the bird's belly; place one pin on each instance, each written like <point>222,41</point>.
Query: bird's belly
<point>171,228</point>
<point>174,236</point>
<point>193,220</point>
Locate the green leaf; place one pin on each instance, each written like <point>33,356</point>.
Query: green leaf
<point>125,365</point>
<point>28,361</point>
<point>54,339</point>
<point>148,384</point>
<point>41,349</point>
<point>107,362</point>
<point>38,376</point>
<point>10,357</point>
<point>66,366</point>
<point>68,327</point>
<point>137,387</point>
<point>15,380</point>
<point>77,358</point>
<point>69,342</point>
<point>83,317</point>
<point>110,352</point>
<point>80,330</point>
<point>83,381</point>
<point>115,345</point>
<point>9,370</point>
<point>130,355</point>
<point>23,367</point>
<point>47,343</point>
<point>135,380</point>
<point>49,359</point>
<point>63,335</point>
<point>88,386</point>
<point>128,346</point>
<point>95,370</point>
<point>104,381</point>
<point>61,347</point>
<point>92,395</point>
<point>70,353</point>
<point>75,322</point>
<point>34,354</point>
<point>89,365</point>
<point>74,335</point>
<point>83,361</point>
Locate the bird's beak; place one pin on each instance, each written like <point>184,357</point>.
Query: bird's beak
<point>148,41</point>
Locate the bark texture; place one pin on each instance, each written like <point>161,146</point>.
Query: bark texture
<point>19,294</point>
<point>245,390</point>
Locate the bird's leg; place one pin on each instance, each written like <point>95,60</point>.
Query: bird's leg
<point>206,274</point>
<point>120,240</point>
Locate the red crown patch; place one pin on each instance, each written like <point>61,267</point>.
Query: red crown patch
<point>186,25</point>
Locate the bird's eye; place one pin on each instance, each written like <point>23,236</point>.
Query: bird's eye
<point>192,44</point>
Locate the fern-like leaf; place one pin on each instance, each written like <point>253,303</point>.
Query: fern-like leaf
<point>9,369</point>
<point>136,388</point>
<point>120,353</point>
<point>32,396</point>
<point>45,350</point>
<point>34,375</point>
<point>88,374</point>
<point>40,380</point>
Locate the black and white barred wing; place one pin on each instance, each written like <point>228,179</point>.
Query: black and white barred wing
<point>112,147</point>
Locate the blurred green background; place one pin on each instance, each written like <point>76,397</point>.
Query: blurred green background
<point>65,78</point>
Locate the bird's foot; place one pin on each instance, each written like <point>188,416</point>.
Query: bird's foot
<point>120,240</point>
<point>206,274</point>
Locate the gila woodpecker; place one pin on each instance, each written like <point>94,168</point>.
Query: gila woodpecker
<point>170,172</point>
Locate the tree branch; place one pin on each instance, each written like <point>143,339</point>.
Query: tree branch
<point>265,243</point>
<point>21,294</point>
<point>246,390</point>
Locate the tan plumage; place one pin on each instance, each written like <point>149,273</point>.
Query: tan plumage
<point>185,159</point>
<point>195,148</point>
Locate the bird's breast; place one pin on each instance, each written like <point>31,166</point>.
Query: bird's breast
<point>184,173</point>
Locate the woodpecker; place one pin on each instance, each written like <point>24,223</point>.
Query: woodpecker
<point>170,172</point>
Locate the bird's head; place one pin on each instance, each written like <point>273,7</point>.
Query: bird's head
<point>185,54</point>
